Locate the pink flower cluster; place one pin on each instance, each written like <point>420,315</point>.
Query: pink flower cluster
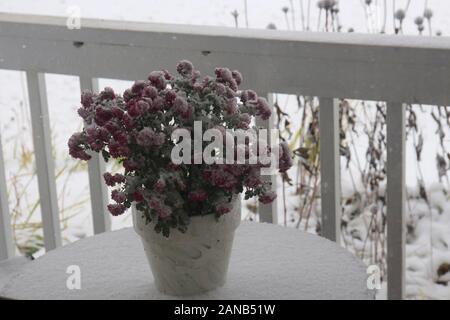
<point>161,210</point>
<point>149,138</point>
<point>198,195</point>
<point>135,129</point>
<point>267,197</point>
<point>75,146</point>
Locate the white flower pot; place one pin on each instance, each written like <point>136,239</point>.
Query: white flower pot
<point>192,262</point>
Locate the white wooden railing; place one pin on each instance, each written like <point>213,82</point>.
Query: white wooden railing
<point>396,69</point>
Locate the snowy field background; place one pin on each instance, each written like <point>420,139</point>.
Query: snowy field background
<point>428,250</point>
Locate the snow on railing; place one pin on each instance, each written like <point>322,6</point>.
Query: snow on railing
<point>397,70</point>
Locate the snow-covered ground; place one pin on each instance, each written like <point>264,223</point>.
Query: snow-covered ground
<point>63,96</point>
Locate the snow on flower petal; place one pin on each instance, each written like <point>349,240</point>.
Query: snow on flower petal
<point>136,129</point>
<point>185,68</point>
<point>149,138</point>
<point>267,197</point>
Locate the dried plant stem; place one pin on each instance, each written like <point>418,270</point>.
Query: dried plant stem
<point>407,6</point>
<point>383,26</point>
<point>312,200</point>
<point>286,19</point>
<point>284,204</point>
<point>366,14</point>
<point>393,16</point>
<point>302,15</point>
<point>292,14</point>
<point>246,13</point>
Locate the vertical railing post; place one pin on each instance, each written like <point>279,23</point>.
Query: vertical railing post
<point>6,241</point>
<point>268,212</point>
<point>395,122</point>
<point>96,168</point>
<point>40,123</point>
<point>330,168</point>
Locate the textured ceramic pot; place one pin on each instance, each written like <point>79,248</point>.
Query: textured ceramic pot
<point>193,262</point>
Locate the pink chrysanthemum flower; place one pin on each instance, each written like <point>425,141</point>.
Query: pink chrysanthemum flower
<point>136,129</point>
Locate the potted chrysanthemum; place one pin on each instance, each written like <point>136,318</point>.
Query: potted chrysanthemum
<point>186,211</point>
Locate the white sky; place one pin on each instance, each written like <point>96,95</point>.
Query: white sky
<point>218,12</point>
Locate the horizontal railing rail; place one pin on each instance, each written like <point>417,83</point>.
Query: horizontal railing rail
<point>395,69</point>
<point>372,67</point>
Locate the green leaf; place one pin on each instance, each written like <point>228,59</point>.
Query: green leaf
<point>166,231</point>
<point>105,155</point>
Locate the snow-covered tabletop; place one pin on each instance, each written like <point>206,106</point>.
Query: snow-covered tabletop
<point>268,262</point>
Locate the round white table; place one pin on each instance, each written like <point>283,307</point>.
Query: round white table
<point>268,262</point>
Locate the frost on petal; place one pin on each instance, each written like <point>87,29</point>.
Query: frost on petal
<point>77,145</point>
<point>220,89</point>
<point>248,96</point>
<point>160,185</point>
<point>267,197</point>
<point>181,107</point>
<point>150,92</point>
<point>185,68</point>
<point>198,195</point>
<point>224,74</point>
<point>237,77</point>
<point>107,94</point>
<point>223,208</point>
<point>244,121</point>
<point>157,105</point>
<point>157,79</point>
<point>137,87</point>
<point>149,138</point>
<point>116,209</point>
<point>83,113</point>
<point>118,196</point>
<point>253,180</point>
<point>170,97</point>
<point>136,129</point>
<point>102,115</point>
<point>231,106</point>
<point>87,99</point>
<point>263,108</point>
